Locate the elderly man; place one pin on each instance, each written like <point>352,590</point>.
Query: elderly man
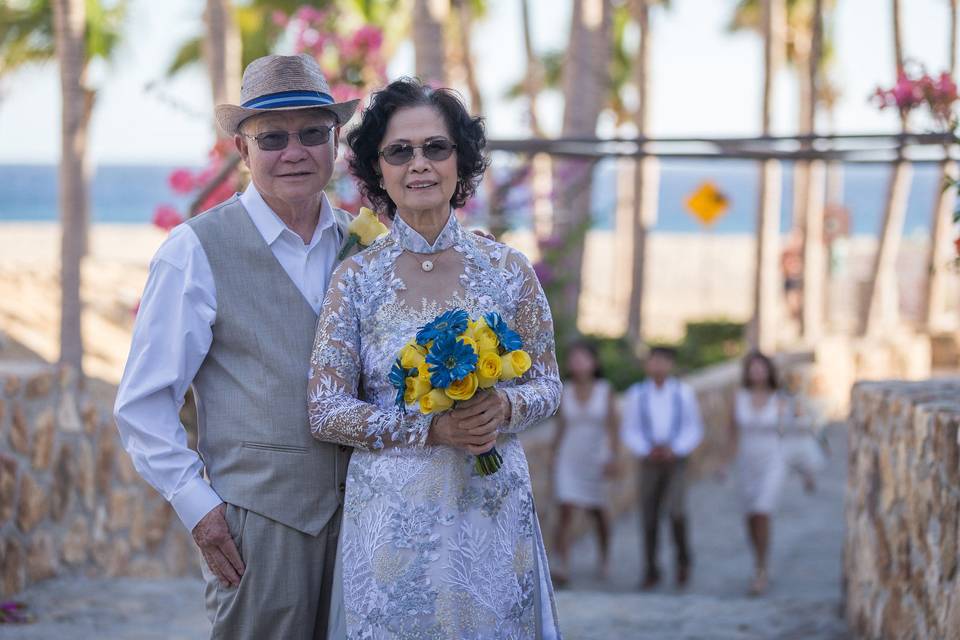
<point>230,307</point>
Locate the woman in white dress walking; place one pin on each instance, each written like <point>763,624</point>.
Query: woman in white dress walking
<point>761,412</point>
<point>584,452</point>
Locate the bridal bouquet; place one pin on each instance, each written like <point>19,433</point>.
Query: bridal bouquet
<point>450,359</point>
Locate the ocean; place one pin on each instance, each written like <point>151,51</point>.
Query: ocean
<point>129,194</point>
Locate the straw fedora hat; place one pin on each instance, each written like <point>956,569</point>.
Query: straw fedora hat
<point>281,83</point>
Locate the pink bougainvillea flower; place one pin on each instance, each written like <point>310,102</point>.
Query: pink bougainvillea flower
<point>279,18</point>
<point>368,38</point>
<point>551,243</point>
<point>544,273</point>
<point>182,181</point>
<point>166,217</point>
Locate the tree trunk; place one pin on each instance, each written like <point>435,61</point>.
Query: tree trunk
<point>763,334</point>
<point>464,20</point>
<point>882,308</point>
<point>533,81</point>
<point>586,86</point>
<point>221,51</point>
<point>814,251</point>
<point>429,17</point>
<point>645,178</point>
<point>935,299</point>
<point>69,18</point>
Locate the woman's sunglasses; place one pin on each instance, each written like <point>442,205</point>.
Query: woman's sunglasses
<point>401,153</point>
<point>277,140</point>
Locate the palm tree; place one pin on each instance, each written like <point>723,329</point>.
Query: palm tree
<point>461,54</point>
<point>766,279</point>
<point>221,51</point>
<point>69,18</point>
<point>586,86</point>
<point>429,18</point>
<point>938,256</point>
<point>645,171</point>
<point>73,32</point>
<point>882,308</point>
<point>813,203</point>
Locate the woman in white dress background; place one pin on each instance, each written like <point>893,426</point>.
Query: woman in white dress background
<point>584,453</point>
<point>760,415</point>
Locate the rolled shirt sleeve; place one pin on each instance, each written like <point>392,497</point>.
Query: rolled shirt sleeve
<point>171,337</point>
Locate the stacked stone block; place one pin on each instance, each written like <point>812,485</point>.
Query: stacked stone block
<point>903,511</point>
<point>70,500</point>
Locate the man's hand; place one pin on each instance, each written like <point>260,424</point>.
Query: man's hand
<point>661,453</point>
<point>216,545</point>
<point>483,234</point>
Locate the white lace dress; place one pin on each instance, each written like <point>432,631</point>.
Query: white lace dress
<point>761,464</point>
<point>429,548</point>
<point>584,449</point>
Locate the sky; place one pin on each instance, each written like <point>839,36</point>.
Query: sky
<point>706,81</point>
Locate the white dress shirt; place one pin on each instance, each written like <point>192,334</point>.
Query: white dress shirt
<point>661,403</point>
<point>172,335</point>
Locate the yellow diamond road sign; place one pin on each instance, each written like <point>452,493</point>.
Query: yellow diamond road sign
<point>707,203</point>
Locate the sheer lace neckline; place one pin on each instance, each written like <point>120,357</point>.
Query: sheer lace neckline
<point>410,240</point>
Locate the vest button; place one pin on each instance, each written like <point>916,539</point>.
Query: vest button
<point>344,448</point>
<point>343,487</point>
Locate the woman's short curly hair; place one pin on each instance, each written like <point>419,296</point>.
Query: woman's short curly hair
<point>467,131</point>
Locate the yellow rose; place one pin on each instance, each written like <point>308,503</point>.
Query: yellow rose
<point>435,402</point>
<point>486,339</point>
<point>416,388</point>
<point>515,364</point>
<point>489,368</point>
<point>412,355</point>
<point>467,340</point>
<point>463,389</point>
<point>367,227</point>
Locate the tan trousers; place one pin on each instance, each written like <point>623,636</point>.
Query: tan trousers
<point>286,586</point>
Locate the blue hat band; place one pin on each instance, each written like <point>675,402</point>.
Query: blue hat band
<point>289,99</point>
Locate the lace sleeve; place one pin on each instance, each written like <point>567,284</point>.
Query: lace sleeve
<point>536,396</point>
<point>335,410</point>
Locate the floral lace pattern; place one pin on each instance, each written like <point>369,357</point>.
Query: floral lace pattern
<point>430,548</point>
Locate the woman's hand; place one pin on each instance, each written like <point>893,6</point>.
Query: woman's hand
<point>473,425</point>
<point>447,430</point>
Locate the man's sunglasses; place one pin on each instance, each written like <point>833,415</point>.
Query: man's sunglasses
<point>401,153</point>
<point>276,140</point>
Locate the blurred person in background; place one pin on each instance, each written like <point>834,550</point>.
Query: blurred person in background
<point>661,427</point>
<point>763,418</point>
<point>584,458</point>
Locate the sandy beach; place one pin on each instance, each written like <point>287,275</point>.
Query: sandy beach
<point>689,277</point>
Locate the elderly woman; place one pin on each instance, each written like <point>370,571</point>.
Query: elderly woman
<point>429,546</point>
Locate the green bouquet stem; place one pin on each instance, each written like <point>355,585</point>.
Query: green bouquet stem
<point>488,463</point>
<point>348,245</point>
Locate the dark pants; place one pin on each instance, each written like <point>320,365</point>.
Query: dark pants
<point>662,488</point>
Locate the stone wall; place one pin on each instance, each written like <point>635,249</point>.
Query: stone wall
<point>903,511</point>
<point>70,499</point>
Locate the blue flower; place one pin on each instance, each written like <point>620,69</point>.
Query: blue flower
<point>450,360</point>
<point>398,380</point>
<point>452,322</point>
<point>509,339</point>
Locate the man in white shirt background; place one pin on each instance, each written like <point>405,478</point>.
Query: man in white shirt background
<point>661,426</point>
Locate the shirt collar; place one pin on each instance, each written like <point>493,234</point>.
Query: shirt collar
<point>410,240</point>
<point>269,224</point>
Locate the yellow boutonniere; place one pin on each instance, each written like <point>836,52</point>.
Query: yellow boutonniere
<point>363,230</point>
